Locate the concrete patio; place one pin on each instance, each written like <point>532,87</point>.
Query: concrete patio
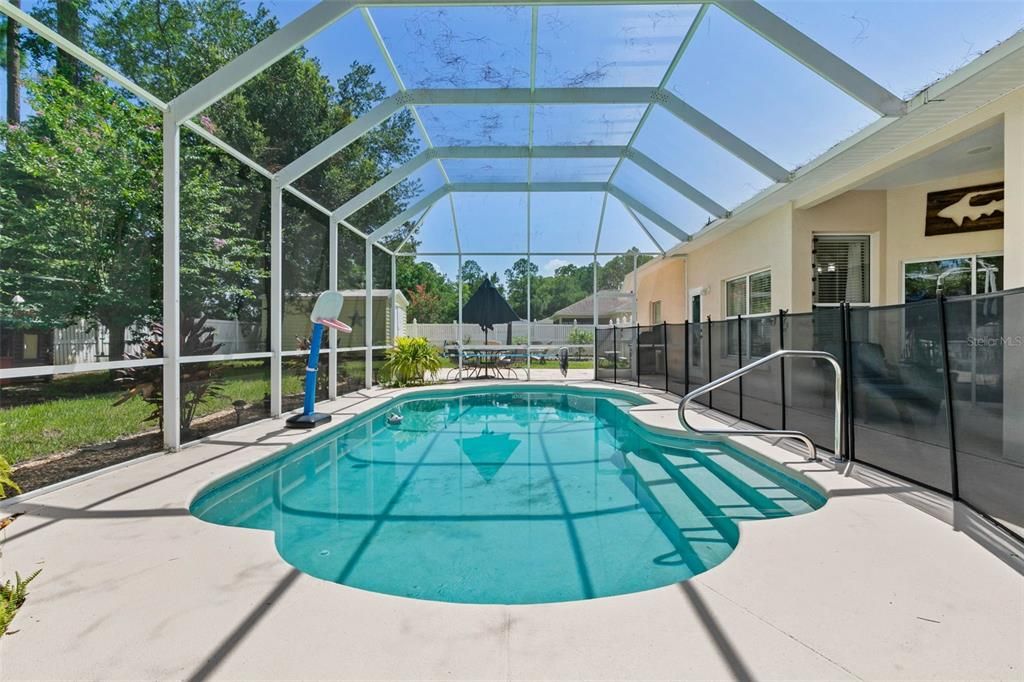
<point>875,585</point>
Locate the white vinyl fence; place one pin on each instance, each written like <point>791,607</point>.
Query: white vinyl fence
<point>83,342</point>
<point>544,333</point>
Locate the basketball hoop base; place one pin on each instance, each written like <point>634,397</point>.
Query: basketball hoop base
<point>307,421</point>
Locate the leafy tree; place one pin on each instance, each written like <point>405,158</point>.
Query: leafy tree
<point>10,60</point>
<point>81,210</point>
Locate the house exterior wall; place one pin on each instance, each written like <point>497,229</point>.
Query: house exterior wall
<point>666,284</point>
<point>857,212</point>
<point>763,244</point>
<point>894,217</point>
<point>905,240</point>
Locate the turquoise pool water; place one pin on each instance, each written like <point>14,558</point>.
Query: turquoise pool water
<point>511,496</point>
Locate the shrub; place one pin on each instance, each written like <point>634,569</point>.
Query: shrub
<point>409,361</point>
<point>6,482</point>
<point>580,337</point>
<point>199,380</point>
<point>12,596</point>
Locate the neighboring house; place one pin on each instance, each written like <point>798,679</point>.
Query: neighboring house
<point>25,347</point>
<point>613,307</point>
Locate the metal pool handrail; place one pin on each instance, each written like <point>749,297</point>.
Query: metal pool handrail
<point>799,435</point>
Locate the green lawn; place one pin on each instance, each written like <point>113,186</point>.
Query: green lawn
<point>75,411</point>
<point>78,410</point>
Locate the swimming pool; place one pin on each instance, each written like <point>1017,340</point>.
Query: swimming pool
<point>513,495</point>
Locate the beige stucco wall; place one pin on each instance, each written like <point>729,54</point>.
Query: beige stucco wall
<point>764,243</point>
<point>858,212</point>
<point>663,282</point>
<point>905,240</point>
<point>782,241</point>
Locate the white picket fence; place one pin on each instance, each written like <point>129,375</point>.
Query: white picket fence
<point>82,342</point>
<point>544,333</point>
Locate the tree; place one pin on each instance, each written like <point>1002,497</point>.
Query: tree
<point>82,214</point>
<point>516,278</point>
<point>12,63</point>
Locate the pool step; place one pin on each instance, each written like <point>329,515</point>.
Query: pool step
<point>698,541</point>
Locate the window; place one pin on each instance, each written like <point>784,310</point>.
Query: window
<point>958,276</point>
<point>749,295</point>
<point>841,269</point>
<point>655,312</point>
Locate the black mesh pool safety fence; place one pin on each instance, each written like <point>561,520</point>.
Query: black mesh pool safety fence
<point>934,391</point>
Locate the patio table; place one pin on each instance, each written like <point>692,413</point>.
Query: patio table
<point>480,360</point>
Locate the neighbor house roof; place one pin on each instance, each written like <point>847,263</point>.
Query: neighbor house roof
<point>609,302</point>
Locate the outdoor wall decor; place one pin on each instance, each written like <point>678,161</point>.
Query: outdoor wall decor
<point>968,209</point>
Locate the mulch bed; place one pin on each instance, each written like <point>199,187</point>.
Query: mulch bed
<point>37,473</point>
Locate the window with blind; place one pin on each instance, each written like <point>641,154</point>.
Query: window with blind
<point>760,288</point>
<point>736,297</point>
<point>842,269</point>
<point>749,295</point>
<point>746,295</point>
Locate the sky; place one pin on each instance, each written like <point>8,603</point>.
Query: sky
<point>728,72</point>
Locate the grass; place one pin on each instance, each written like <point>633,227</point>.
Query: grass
<point>76,411</point>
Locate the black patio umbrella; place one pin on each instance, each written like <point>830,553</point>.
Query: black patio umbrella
<point>487,307</point>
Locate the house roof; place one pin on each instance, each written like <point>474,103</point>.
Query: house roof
<point>609,302</point>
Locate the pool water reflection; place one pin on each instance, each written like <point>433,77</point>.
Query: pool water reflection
<point>518,496</point>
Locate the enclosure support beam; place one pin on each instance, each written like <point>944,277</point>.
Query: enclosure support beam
<point>257,58</point>
<point>474,96</point>
<point>600,222</point>
<point>368,317</point>
<point>630,202</point>
<point>678,184</point>
<point>341,139</point>
<point>483,152</point>
<point>459,280</point>
<point>386,53</point>
<point>408,214</point>
<point>526,187</point>
<point>51,36</point>
<point>723,138</point>
<point>665,79</point>
<point>394,300</point>
<point>814,56</point>
<point>172,284</point>
<point>332,334</point>
<point>276,292</point>
<point>643,227</point>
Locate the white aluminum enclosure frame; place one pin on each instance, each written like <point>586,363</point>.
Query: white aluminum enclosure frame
<point>179,113</point>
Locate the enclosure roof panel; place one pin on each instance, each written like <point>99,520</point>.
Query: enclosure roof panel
<point>690,108</point>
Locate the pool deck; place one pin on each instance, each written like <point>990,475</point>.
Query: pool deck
<point>875,585</point>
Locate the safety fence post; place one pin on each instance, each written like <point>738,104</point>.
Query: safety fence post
<point>615,355</point>
<point>947,385</point>
<point>636,355</point>
<point>686,357</point>
<point>664,351</point>
<point>708,362</point>
<point>847,362</point>
<point>782,368</point>
<point>739,361</point>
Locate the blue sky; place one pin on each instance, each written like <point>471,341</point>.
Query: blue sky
<point>728,72</point>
